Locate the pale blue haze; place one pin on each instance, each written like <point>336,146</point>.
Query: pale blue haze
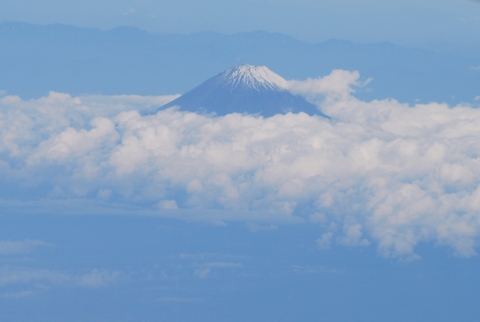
<point>435,24</point>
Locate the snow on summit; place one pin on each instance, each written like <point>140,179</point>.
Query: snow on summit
<point>257,77</point>
<point>244,89</point>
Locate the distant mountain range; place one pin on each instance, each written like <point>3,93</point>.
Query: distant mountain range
<point>244,89</point>
<point>35,59</point>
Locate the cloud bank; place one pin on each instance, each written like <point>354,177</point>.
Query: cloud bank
<point>378,172</point>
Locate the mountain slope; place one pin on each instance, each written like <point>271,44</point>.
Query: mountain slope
<point>244,89</point>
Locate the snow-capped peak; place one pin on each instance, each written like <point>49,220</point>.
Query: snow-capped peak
<point>257,77</point>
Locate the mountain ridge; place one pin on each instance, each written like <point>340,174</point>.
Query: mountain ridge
<point>36,59</point>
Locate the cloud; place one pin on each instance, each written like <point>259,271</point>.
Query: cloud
<point>338,85</point>
<point>299,269</point>
<point>168,204</point>
<point>205,269</point>
<point>377,173</point>
<point>178,299</point>
<point>255,227</point>
<point>130,12</point>
<point>20,247</point>
<point>211,262</point>
<point>97,278</point>
<point>325,240</point>
<point>17,295</point>
<point>93,279</point>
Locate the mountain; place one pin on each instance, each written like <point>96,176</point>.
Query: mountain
<point>244,89</point>
<point>35,59</point>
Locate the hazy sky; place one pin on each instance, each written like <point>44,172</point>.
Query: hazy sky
<point>422,22</point>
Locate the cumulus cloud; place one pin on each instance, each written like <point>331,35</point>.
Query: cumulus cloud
<point>380,172</point>
<point>338,85</point>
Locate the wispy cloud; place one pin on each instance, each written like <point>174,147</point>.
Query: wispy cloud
<point>178,299</point>
<point>20,247</point>
<point>17,295</point>
<point>93,279</point>
<point>130,12</point>
<point>255,227</point>
<point>299,269</point>
<point>206,268</point>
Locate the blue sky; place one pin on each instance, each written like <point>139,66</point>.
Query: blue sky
<point>112,211</point>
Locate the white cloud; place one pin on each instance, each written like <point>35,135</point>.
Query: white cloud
<point>380,172</point>
<point>338,85</point>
